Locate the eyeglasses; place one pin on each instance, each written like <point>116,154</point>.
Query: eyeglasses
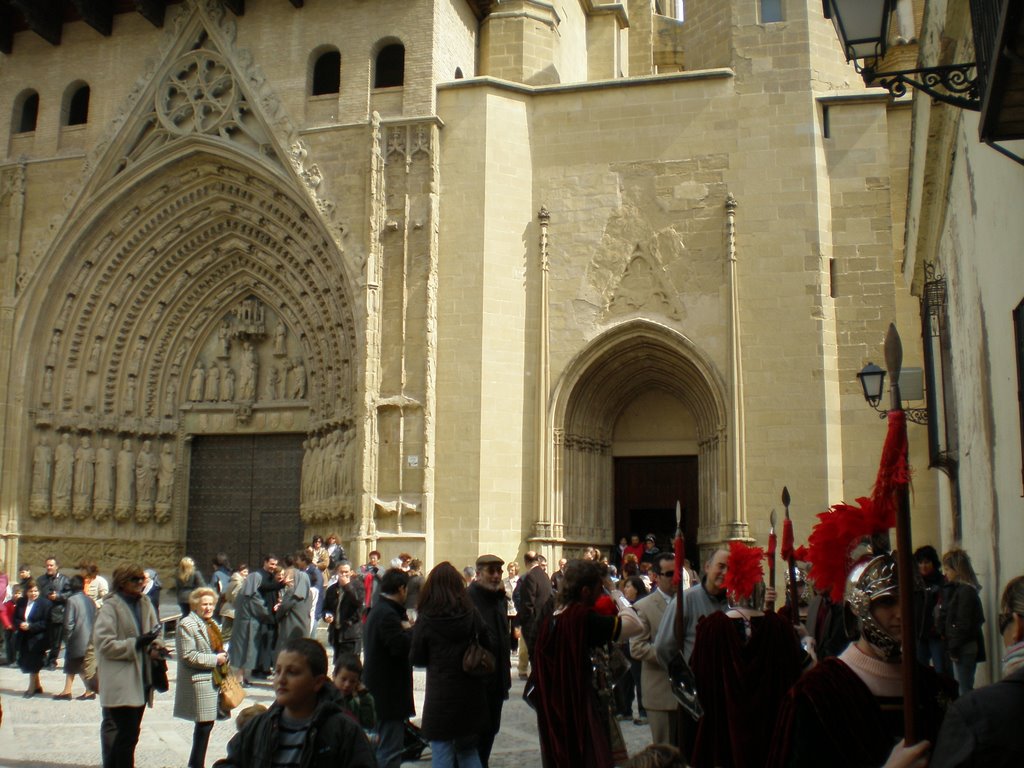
<point>1005,619</point>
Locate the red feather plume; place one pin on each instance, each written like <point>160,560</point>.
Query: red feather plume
<point>746,568</point>
<point>833,539</point>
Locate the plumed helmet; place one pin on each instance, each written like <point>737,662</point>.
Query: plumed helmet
<point>869,580</point>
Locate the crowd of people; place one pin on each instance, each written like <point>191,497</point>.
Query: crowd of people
<point>718,676</point>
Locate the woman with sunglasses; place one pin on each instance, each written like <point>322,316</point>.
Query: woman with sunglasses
<point>983,727</point>
<point>126,636</point>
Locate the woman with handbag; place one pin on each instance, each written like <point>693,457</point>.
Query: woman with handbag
<point>449,630</point>
<point>200,652</point>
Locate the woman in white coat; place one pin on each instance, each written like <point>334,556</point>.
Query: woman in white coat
<point>200,651</point>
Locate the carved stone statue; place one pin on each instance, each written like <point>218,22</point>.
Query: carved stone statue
<point>145,476</point>
<point>314,470</point>
<point>224,339</point>
<point>273,390</point>
<point>297,380</point>
<point>197,383</point>
<point>247,377</point>
<point>51,353</point>
<point>64,469</point>
<point>227,385</point>
<point>280,340</point>
<point>125,490</point>
<point>130,391</point>
<point>94,355</point>
<point>337,463</point>
<point>348,468</point>
<point>165,483</point>
<point>85,475</point>
<point>212,392</point>
<point>47,397</point>
<point>103,490</point>
<point>171,398</point>
<point>42,478</point>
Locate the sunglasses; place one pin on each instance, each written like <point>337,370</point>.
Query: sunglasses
<point>1005,619</point>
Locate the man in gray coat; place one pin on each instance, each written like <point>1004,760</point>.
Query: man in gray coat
<point>251,615</point>
<point>126,638</point>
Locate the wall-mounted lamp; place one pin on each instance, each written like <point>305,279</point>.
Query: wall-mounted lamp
<point>872,381</point>
<point>863,30</point>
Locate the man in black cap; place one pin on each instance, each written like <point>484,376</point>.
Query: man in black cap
<point>488,595</point>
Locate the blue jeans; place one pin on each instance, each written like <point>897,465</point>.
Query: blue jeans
<point>444,755</point>
<point>392,742</point>
<point>963,669</point>
<point>931,650</point>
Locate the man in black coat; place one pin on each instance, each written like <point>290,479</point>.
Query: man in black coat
<point>55,587</point>
<point>387,671</point>
<point>536,592</point>
<point>343,611</point>
<point>488,595</point>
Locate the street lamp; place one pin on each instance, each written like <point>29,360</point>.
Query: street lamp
<point>872,381</point>
<point>863,30</point>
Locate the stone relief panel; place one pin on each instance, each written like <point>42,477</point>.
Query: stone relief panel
<point>80,477</point>
<point>328,489</point>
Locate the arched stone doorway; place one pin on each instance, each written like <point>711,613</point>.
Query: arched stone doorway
<point>621,368</point>
<point>197,298</point>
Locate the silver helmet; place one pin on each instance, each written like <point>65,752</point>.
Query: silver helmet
<point>869,580</point>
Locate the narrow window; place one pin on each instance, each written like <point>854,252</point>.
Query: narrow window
<point>327,73</point>
<point>771,10</point>
<point>833,288</point>
<point>390,67</point>
<point>78,107</point>
<point>826,127</point>
<point>29,113</point>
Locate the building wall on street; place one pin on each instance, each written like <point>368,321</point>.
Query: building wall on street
<point>467,297</point>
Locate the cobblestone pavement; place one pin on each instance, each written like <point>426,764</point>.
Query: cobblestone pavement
<point>43,733</point>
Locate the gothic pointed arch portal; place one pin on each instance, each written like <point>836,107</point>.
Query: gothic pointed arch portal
<point>198,297</point>
<point>617,369</point>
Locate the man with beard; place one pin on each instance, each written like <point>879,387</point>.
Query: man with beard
<point>488,595</point>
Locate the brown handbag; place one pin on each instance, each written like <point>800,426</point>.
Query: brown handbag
<point>477,660</point>
<point>231,692</point>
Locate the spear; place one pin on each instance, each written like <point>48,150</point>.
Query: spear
<point>771,557</point>
<point>787,555</point>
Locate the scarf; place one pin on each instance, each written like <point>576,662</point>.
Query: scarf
<point>216,640</point>
<point>1014,659</point>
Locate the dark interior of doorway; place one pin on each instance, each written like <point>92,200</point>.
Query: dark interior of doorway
<point>646,491</point>
<point>243,498</point>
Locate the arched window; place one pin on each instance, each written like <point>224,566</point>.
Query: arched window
<point>78,106</point>
<point>26,112</point>
<point>327,73</point>
<point>458,73</point>
<point>390,71</point>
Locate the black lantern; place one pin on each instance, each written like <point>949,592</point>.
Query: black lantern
<point>862,26</point>
<point>872,379</point>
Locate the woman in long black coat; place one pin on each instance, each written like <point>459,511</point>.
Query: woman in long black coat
<point>455,709</point>
<point>31,620</point>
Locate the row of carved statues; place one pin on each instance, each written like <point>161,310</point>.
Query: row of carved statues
<point>218,383</point>
<point>79,480</point>
<point>328,475</point>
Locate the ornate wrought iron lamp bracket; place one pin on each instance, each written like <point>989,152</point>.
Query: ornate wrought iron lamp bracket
<point>954,84</point>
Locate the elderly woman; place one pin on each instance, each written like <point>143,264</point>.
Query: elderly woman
<point>79,617</point>
<point>200,651</point>
<point>126,639</point>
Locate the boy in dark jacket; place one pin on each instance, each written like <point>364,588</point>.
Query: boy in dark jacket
<point>305,726</point>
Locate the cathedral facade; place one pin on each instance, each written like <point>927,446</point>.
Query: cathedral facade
<point>437,276</point>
